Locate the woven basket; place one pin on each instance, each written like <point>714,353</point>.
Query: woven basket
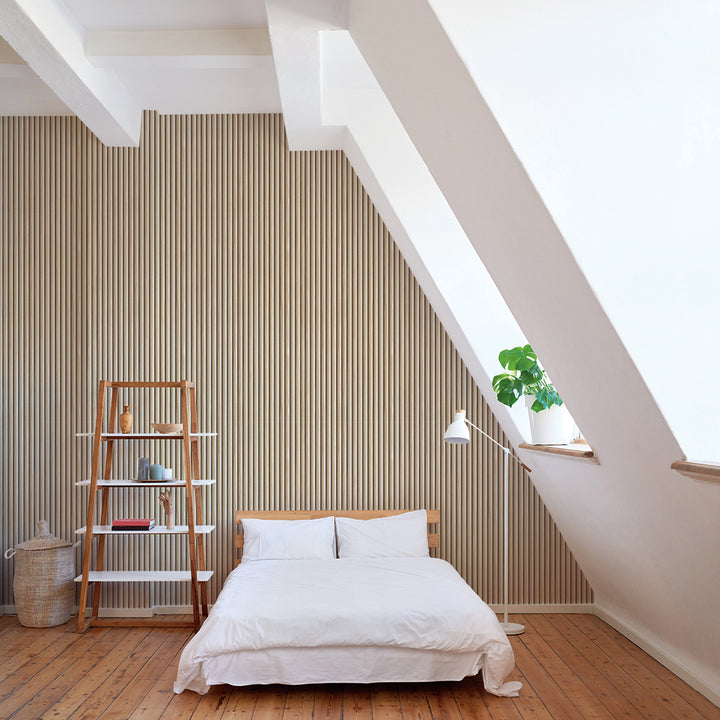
<point>44,579</point>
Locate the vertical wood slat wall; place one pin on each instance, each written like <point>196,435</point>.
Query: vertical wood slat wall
<point>214,254</point>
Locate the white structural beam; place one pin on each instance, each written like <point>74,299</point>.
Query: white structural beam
<point>239,48</point>
<point>50,40</point>
<point>422,224</point>
<point>295,27</point>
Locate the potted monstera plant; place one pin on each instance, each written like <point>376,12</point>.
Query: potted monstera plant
<point>550,422</point>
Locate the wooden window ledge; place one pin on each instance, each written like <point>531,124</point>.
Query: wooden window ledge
<point>698,471</point>
<point>577,451</point>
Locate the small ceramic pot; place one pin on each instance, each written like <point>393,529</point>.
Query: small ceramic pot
<point>126,420</point>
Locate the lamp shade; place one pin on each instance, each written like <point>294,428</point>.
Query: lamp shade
<point>457,431</point>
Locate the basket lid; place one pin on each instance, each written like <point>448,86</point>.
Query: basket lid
<point>44,540</point>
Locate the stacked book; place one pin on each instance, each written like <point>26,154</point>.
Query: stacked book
<point>133,524</point>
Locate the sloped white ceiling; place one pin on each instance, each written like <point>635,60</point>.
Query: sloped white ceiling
<point>614,109</point>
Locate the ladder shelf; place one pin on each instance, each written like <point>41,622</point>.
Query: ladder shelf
<point>195,531</point>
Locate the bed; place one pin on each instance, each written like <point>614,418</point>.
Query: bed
<point>344,597</point>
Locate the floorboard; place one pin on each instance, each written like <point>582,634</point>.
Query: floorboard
<point>357,702</point>
<point>413,702</point>
<point>613,675</point>
<point>564,693</point>
<point>658,689</point>
<point>544,677</point>
<point>241,703</point>
<point>672,681</point>
<point>442,702</point>
<point>80,702</point>
<point>573,667</point>
<point>328,702</point>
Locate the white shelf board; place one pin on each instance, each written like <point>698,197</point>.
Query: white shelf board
<point>145,483</point>
<point>146,435</point>
<point>145,576</point>
<point>157,530</point>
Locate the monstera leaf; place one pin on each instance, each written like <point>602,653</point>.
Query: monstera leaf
<point>518,358</point>
<point>507,388</point>
<point>524,376</point>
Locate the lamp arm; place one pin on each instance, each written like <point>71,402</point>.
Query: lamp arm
<point>506,450</point>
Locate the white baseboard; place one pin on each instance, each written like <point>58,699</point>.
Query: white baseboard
<point>676,667</point>
<point>175,609</point>
<point>143,612</point>
<point>187,610</point>
<point>122,612</point>
<point>587,608</point>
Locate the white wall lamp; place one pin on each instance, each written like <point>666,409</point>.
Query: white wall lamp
<point>458,434</point>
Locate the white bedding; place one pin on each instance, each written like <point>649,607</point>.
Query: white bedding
<point>419,604</point>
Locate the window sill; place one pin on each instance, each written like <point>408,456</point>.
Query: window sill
<point>697,471</point>
<point>576,451</point>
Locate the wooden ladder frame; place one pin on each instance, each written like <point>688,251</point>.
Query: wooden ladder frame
<point>196,544</point>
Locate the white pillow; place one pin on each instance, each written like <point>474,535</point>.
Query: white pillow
<point>394,536</point>
<point>288,539</point>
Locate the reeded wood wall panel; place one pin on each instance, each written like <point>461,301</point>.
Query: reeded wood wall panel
<point>212,253</point>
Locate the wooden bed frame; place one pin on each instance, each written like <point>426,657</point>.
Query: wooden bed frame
<point>433,518</point>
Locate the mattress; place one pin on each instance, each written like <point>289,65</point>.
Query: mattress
<point>347,620</point>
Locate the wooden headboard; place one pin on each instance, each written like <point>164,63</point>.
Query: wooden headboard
<point>433,518</point>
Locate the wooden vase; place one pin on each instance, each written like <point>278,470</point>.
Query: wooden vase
<point>126,420</point>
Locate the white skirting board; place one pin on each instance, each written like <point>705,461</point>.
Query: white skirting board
<point>580,608</point>
<point>144,612</point>
<point>122,612</point>
<point>187,610</point>
<point>676,667</point>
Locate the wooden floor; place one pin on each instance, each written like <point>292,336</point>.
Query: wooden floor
<point>572,667</point>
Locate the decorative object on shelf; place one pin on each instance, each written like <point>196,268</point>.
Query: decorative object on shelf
<point>133,524</point>
<point>167,503</point>
<point>458,434</point>
<point>550,421</point>
<point>167,473</point>
<point>43,581</point>
<point>126,420</point>
<point>143,471</point>
<point>156,472</point>
<point>167,428</point>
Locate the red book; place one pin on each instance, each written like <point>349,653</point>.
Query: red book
<point>133,524</point>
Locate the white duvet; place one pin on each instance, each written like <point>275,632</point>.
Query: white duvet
<point>417,603</point>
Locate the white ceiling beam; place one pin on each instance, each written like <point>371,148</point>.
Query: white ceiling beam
<point>295,27</point>
<point>50,40</point>
<point>238,48</point>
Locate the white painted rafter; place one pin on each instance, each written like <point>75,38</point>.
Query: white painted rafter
<point>295,27</point>
<point>50,40</point>
<point>234,48</point>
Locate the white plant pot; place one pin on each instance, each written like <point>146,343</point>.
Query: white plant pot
<point>553,426</point>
